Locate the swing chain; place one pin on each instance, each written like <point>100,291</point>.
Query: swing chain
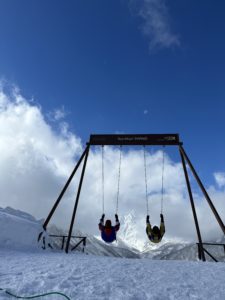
<point>146,183</point>
<point>118,186</point>
<point>103,182</point>
<point>162,191</point>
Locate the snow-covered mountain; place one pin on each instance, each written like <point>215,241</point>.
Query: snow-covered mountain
<point>129,233</point>
<point>19,231</point>
<point>94,245</point>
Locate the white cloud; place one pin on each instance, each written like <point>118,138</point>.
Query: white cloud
<point>57,114</point>
<point>156,23</point>
<point>145,112</point>
<point>36,161</point>
<point>220,178</point>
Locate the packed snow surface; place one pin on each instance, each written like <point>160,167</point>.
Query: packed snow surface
<point>82,276</point>
<point>26,269</point>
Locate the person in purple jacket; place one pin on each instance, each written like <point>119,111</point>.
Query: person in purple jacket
<point>108,232</point>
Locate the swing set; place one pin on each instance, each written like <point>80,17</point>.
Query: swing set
<point>135,140</point>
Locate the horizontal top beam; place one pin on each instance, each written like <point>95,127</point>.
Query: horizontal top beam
<point>134,139</point>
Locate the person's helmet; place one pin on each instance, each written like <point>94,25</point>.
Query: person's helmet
<point>156,230</point>
<point>108,223</point>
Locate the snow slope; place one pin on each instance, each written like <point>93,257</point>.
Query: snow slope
<point>82,276</point>
<point>18,230</point>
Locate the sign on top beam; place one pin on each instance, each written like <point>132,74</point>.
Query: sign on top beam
<point>134,139</point>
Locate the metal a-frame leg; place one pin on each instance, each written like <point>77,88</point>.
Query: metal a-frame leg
<point>219,220</point>
<point>77,199</point>
<point>62,193</point>
<point>200,245</point>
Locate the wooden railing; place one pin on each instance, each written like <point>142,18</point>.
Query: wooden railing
<point>64,237</point>
<point>207,252</point>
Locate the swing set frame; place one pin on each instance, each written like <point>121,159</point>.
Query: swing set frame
<point>135,140</point>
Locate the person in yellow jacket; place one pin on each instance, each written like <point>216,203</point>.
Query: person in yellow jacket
<point>155,234</point>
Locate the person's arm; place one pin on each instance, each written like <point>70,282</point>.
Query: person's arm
<point>117,226</point>
<point>162,225</point>
<point>148,226</point>
<point>101,223</point>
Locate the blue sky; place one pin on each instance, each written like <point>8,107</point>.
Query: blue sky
<point>139,66</point>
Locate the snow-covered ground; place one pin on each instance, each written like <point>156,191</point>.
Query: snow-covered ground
<point>82,276</point>
<point>26,269</point>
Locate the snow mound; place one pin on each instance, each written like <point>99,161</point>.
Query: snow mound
<point>19,230</point>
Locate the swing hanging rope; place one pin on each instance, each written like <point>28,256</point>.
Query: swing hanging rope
<point>162,191</point>
<point>118,186</point>
<point>146,182</point>
<point>103,182</point>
